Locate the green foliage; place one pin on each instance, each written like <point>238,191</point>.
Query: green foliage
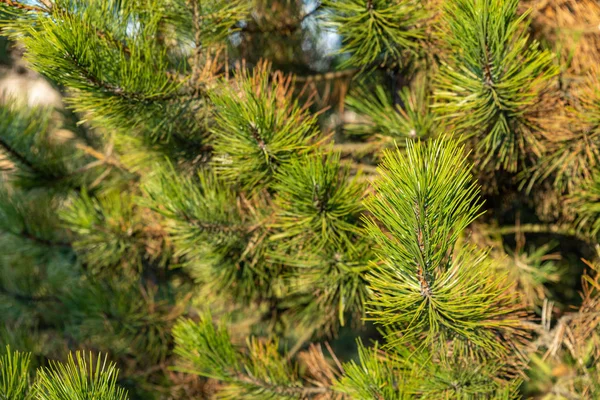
<point>571,162</point>
<point>374,378</point>
<point>318,205</point>
<point>325,289</point>
<point>207,347</point>
<point>24,218</point>
<point>258,128</point>
<point>424,198</point>
<point>185,173</point>
<point>101,51</point>
<point>14,375</point>
<point>78,379</point>
<point>410,121</point>
<point>122,318</point>
<point>586,202</point>
<point>262,373</point>
<point>206,24</point>
<point>531,270</point>
<point>423,201</point>
<point>217,241</point>
<point>106,231</point>
<point>377,31</point>
<point>492,82</point>
<point>410,374</point>
<point>456,376</point>
<point>40,158</point>
<point>317,236</point>
<point>30,239</point>
<point>7,12</point>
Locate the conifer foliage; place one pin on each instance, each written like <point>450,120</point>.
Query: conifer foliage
<point>268,199</point>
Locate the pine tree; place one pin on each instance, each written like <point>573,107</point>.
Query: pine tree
<point>268,199</point>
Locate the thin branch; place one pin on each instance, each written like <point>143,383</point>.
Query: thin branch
<point>367,169</point>
<point>49,177</point>
<point>358,147</point>
<point>212,227</point>
<point>196,18</point>
<point>328,76</point>
<point>305,337</point>
<point>259,140</point>
<point>93,80</point>
<point>107,159</point>
<point>103,35</point>
<point>282,390</point>
<point>565,230</point>
<point>335,359</point>
<point>312,12</point>
<point>24,234</point>
<point>16,155</point>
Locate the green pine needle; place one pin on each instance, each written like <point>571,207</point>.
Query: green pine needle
<point>318,204</point>
<point>413,120</point>
<point>491,85</point>
<point>261,373</point>
<point>14,375</point>
<point>80,378</point>
<point>376,31</point>
<point>424,286</point>
<point>258,128</point>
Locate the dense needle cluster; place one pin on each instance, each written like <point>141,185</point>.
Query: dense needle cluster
<point>269,199</point>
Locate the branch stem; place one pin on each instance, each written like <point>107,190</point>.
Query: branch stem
<point>556,229</point>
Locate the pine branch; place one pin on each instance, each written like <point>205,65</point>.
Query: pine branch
<point>558,229</point>
<point>381,115</point>
<point>48,176</point>
<point>108,159</point>
<point>14,375</point>
<point>16,155</point>
<point>209,23</point>
<point>282,390</point>
<point>261,372</point>
<point>115,90</point>
<point>423,201</point>
<point>377,31</point>
<point>148,99</point>
<point>259,127</point>
<point>39,159</point>
<point>52,8</point>
<point>485,87</point>
<point>195,4</point>
<point>214,227</point>
<point>24,234</point>
<point>374,376</point>
<point>107,231</point>
<point>103,35</point>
